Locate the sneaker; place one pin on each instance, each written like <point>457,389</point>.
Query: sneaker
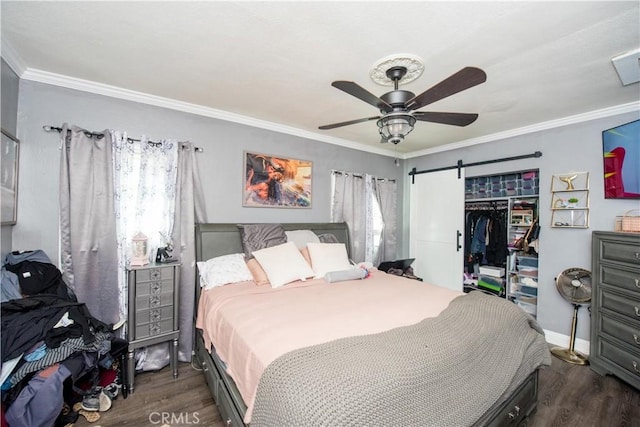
<point>111,390</point>
<point>91,400</point>
<point>105,401</point>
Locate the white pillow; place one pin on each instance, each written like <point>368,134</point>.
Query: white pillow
<point>283,264</point>
<point>326,257</point>
<point>302,237</point>
<point>223,270</point>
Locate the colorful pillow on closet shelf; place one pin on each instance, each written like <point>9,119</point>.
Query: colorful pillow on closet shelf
<point>283,264</point>
<point>260,236</point>
<point>326,257</point>
<point>223,270</point>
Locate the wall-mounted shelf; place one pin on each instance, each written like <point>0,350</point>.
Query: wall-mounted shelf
<point>570,200</point>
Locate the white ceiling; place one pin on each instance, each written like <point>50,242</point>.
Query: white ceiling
<point>270,64</point>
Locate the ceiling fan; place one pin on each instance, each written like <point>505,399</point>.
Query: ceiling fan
<point>397,107</point>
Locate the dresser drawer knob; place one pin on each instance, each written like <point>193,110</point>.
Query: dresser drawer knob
<point>635,366</point>
<point>636,339</point>
<point>637,255</point>
<point>638,283</point>
<point>637,310</point>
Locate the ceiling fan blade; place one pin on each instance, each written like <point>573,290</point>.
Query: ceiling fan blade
<point>350,122</point>
<point>361,93</point>
<point>464,79</point>
<point>456,119</point>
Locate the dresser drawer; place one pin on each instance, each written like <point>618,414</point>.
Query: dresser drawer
<point>154,287</point>
<point>624,305</point>
<point>152,329</point>
<point>626,360</point>
<point>624,332</point>
<point>154,301</point>
<point>620,251</point>
<point>154,315</point>
<point>149,274</point>
<point>628,279</point>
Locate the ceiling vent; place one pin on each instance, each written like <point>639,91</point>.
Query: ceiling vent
<point>627,66</point>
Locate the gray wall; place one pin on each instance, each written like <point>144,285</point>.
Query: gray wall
<point>570,148</point>
<point>220,164</point>
<point>9,90</point>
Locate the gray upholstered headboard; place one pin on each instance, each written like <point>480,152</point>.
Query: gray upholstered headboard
<point>214,240</point>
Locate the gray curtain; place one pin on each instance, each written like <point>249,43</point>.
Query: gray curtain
<point>87,221</point>
<point>386,193</point>
<point>190,208</point>
<point>349,205</point>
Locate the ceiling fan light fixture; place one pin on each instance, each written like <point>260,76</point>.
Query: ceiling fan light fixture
<point>395,126</point>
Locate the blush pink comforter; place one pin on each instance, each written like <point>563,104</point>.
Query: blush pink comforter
<point>250,326</point>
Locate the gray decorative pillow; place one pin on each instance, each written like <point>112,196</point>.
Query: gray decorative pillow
<point>350,274</point>
<point>260,236</point>
<point>328,238</point>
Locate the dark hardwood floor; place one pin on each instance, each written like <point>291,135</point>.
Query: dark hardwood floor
<point>569,395</point>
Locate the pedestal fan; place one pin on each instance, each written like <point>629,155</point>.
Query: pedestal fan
<point>574,284</point>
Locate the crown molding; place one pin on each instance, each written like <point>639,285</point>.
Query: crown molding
<point>158,101</point>
<point>578,118</point>
<point>143,98</point>
<point>11,57</point>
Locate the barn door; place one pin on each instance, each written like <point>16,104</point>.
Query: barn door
<point>436,234</point>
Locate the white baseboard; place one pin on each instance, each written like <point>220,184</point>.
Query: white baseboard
<point>561,340</point>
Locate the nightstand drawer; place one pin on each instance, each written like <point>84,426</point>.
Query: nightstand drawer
<point>620,251</point>
<point>623,305</point>
<point>154,328</point>
<point>154,315</point>
<point>621,278</point>
<point>622,331</point>
<point>149,274</point>
<point>154,288</point>
<point>154,301</point>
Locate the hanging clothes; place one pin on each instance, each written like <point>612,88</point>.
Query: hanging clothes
<point>485,237</point>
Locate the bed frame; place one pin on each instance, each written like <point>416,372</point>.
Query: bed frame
<point>221,239</point>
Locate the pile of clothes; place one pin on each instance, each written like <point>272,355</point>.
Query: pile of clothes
<point>54,352</point>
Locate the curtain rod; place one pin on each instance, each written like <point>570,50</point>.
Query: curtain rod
<point>356,175</point>
<point>49,128</point>
<point>460,165</point>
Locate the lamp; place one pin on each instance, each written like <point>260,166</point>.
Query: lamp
<point>393,127</point>
<point>139,246</point>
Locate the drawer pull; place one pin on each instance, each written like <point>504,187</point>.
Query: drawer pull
<point>637,255</point>
<point>637,310</point>
<point>513,416</point>
<point>228,422</point>
<point>638,283</point>
<point>635,366</point>
<point>636,339</point>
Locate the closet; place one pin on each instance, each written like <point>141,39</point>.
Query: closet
<point>500,214</point>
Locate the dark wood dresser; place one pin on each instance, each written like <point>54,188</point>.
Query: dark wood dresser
<point>615,305</point>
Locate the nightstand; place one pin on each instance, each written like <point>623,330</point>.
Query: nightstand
<point>153,311</point>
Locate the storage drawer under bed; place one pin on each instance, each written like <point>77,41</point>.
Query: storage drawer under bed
<point>520,406</point>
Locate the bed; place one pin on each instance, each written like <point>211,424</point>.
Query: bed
<point>432,364</point>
